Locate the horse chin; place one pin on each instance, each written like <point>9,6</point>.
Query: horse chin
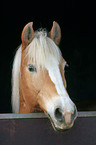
<point>59,126</point>
<point>63,127</point>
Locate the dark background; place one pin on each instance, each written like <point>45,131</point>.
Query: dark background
<point>77,21</point>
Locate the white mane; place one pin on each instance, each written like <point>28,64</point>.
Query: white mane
<point>15,81</point>
<point>43,52</point>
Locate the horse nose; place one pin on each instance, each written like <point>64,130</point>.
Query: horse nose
<point>66,118</point>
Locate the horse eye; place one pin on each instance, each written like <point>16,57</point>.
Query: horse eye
<point>32,68</point>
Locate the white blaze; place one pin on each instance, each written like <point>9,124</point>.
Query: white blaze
<point>63,101</point>
<point>56,78</point>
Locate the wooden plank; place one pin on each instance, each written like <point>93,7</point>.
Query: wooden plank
<point>39,131</point>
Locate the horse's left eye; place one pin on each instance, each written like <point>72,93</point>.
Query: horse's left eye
<point>31,68</point>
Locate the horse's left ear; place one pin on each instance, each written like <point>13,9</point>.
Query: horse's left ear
<point>27,35</point>
<point>55,33</point>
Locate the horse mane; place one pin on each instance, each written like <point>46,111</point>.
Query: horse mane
<point>15,81</point>
<point>43,52</point>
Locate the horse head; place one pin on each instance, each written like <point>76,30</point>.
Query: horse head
<point>42,83</point>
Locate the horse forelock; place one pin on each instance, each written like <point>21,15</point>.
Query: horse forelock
<point>43,51</point>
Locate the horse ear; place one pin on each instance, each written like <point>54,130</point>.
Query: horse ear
<point>55,33</point>
<point>27,35</point>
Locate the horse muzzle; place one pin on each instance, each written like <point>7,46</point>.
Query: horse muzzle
<point>63,120</point>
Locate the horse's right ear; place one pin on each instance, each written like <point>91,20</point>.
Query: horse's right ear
<point>27,35</point>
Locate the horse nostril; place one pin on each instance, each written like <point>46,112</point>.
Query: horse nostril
<point>58,114</point>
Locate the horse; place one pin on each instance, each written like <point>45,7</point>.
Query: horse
<point>38,79</point>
